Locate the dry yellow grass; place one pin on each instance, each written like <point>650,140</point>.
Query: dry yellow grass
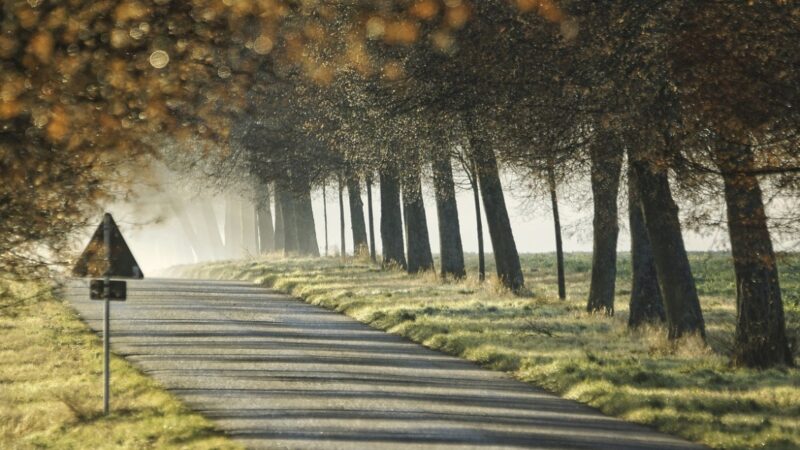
<point>686,388</point>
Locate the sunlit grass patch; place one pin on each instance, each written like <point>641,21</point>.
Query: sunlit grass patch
<point>51,386</point>
<point>686,387</point>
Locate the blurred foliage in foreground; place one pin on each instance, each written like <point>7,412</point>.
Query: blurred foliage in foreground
<point>89,89</point>
<point>685,388</point>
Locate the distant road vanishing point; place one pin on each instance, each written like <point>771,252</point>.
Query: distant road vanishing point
<point>275,372</point>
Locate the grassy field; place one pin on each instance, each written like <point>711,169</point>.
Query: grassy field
<point>51,386</point>
<point>687,388</point>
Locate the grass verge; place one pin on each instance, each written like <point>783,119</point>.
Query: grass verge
<point>686,388</point>
<point>51,386</point>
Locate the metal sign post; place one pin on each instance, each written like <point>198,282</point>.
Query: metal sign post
<point>106,313</point>
<point>107,256</point>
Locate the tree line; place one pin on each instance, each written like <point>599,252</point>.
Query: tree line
<point>694,95</point>
<point>680,99</point>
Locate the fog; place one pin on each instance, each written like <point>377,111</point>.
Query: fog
<point>172,222</point>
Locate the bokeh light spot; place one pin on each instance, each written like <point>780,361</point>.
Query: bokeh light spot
<point>159,59</point>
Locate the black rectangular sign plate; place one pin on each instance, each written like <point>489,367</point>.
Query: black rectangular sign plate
<point>118,291</point>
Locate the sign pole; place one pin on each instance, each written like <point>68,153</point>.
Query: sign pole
<point>106,312</point>
<point>107,256</point>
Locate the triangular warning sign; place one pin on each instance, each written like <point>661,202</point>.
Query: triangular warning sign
<point>94,261</point>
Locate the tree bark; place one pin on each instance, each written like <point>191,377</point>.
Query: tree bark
<point>280,235</point>
<point>249,228</point>
<point>505,249</point>
<point>306,227</point>
<point>676,282</point>
<point>646,304</point>
<point>391,220</point>
<point>342,250</point>
<point>359,228</point>
<point>325,216</point>
<point>606,167</point>
<point>473,180</point>
<point>266,234</point>
<point>760,325</point>
<point>418,243</point>
<point>562,284</point>
<point>372,251</point>
<point>451,251</point>
<point>291,244</point>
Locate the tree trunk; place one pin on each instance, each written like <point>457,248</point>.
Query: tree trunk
<point>562,284</point>
<point>249,228</point>
<point>606,167</point>
<point>505,249</point>
<point>646,305</point>
<point>291,244</point>
<point>678,290</point>
<point>342,250</point>
<point>391,220</point>
<point>360,244</point>
<point>325,216</point>
<point>451,251</point>
<point>418,242</point>
<point>266,234</point>
<point>760,325</point>
<point>280,235</point>
<point>473,180</point>
<point>306,227</point>
<point>372,251</point>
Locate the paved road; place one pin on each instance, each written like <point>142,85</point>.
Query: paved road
<point>278,373</point>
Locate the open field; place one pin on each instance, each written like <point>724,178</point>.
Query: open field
<point>51,386</point>
<point>688,389</point>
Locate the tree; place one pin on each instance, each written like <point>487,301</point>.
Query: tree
<point>266,233</point>
<point>468,166</point>
<point>280,235</point>
<point>606,157</point>
<point>291,244</point>
<point>675,279</point>
<point>451,252</point>
<point>506,257</point>
<point>391,219</point>
<point>730,74</point>
<point>325,215</point>
<point>306,227</point>
<point>562,284</point>
<point>418,244</point>
<point>343,249</point>
<point>359,228</point>
<point>372,252</point>
<point>646,303</point>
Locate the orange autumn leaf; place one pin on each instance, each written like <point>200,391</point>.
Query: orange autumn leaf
<point>402,32</point>
<point>424,9</point>
<point>457,16</point>
<point>9,110</point>
<point>41,46</point>
<point>545,8</point>
<point>58,127</point>
<point>129,10</point>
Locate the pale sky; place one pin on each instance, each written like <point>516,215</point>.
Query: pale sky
<point>163,244</point>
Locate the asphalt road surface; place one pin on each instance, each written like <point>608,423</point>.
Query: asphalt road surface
<point>275,372</point>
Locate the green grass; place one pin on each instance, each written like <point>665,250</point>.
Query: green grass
<point>51,386</point>
<point>686,388</point>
